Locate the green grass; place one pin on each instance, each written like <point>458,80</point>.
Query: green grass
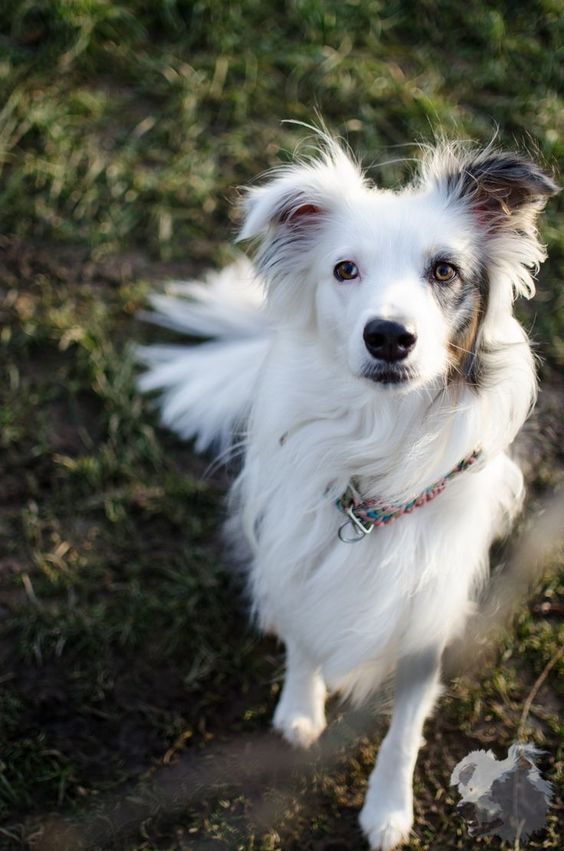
<point>128,668</point>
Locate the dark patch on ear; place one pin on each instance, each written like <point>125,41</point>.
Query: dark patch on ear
<point>504,189</point>
<point>467,773</point>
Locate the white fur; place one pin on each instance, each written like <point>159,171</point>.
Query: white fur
<point>207,389</point>
<point>350,615</point>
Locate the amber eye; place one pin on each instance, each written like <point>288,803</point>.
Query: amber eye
<point>346,270</point>
<point>444,272</point>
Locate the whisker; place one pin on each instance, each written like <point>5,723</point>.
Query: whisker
<point>460,349</point>
<point>232,451</point>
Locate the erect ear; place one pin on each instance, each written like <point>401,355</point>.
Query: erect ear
<point>300,195</point>
<point>466,774</point>
<point>505,191</point>
<point>293,205</point>
<point>463,772</point>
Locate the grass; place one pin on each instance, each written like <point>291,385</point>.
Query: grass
<point>128,669</point>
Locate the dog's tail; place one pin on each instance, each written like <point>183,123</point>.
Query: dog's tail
<point>206,389</point>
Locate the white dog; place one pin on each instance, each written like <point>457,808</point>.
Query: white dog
<point>372,354</point>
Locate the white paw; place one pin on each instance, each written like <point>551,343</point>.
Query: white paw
<point>385,828</point>
<point>298,729</point>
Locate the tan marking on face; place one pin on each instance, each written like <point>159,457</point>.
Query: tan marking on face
<point>461,347</point>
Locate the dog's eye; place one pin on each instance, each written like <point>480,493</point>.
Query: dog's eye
<point>346,270</point>
<point>444,272</point>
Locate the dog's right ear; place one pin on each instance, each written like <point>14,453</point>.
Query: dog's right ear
<point>287,217</point>
<point>299,196</point>
<point>278,204</point>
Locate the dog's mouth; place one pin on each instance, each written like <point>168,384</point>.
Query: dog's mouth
<point>387,374</point>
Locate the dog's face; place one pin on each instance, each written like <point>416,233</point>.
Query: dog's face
<point>397,286</point>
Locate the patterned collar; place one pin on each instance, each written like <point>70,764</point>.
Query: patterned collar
<point>365,514</point>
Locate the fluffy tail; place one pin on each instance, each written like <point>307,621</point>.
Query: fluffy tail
<point>207,389</point>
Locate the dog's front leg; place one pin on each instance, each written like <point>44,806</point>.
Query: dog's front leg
<point>387,815</point>
<point>300,714</point>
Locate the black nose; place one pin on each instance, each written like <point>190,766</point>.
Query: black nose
<point>389,341</point>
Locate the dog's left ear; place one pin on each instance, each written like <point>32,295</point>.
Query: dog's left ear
<point>505,191</point>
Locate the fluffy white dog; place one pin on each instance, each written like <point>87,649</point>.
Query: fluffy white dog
<point>373,357</point>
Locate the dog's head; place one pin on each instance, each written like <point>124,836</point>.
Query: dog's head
<point>404,287</point>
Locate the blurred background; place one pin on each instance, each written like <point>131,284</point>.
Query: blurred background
<point>134,699</point>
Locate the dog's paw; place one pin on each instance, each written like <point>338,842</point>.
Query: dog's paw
<point>385,829</point>
<point>298,729</point>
